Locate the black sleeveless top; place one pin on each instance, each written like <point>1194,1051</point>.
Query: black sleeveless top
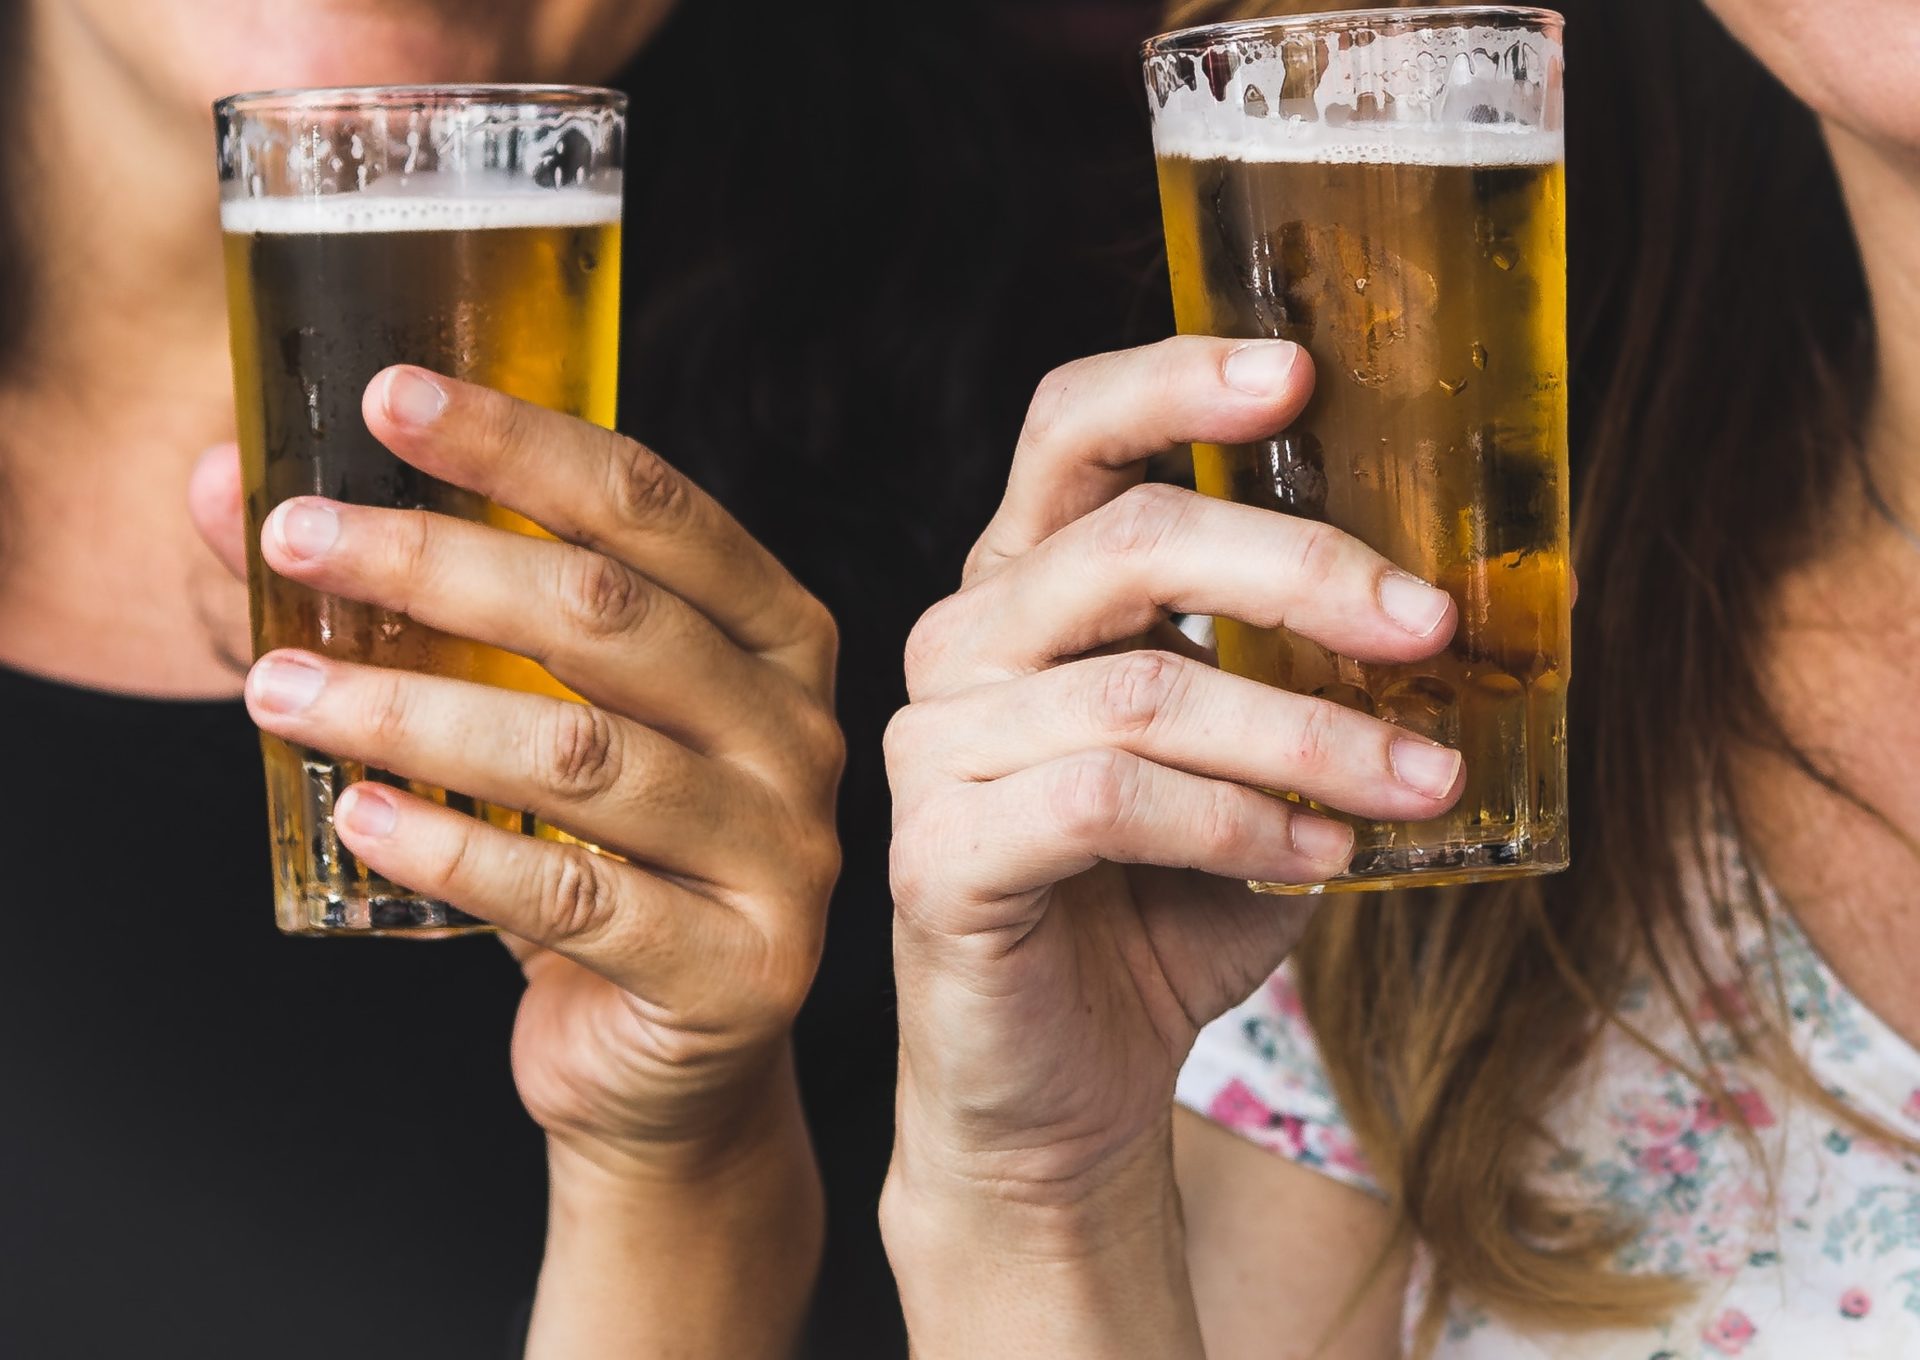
<point>217,1141</point>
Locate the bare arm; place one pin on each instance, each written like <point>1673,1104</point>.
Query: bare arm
<point>1286,1264</point>
<point>714,1257</point>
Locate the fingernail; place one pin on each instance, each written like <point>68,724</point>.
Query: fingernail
<point>1262,368</point>
<point>286,684</point>
<point>366,812</point>
<point>306,528</point>
<point>1322,841</point>
<point>413,398</point>
<point>1412,603</point>
<point>1425,768</point>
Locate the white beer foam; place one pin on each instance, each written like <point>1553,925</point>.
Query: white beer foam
<point>1300,143</point>
<point>433,209</point>
<point>1461,96</point>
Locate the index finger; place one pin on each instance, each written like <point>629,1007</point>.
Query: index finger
<point>1094,422</point>
<point>599,489</point>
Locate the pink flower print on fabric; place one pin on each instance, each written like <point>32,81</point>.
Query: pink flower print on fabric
<point>1671,1159</point>
<point>1855,1303</point>
<point>1344,1153</point>
<point>1661,1124</point>
<point>1754,1107</point>
<point>1706,1116</point>
<point>1912,1108</point>
<point>1237,1107</point>
<point>1729,1333</point>
<point>1285,997</point>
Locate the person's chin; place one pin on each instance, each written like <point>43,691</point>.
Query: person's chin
<point>411,45</point>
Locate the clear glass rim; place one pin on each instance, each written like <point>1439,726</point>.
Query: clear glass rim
<point>351,98</point>
<point>1204,36</point>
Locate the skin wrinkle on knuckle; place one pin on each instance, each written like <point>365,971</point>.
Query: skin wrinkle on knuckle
<point>1316,555</point>
<point>602,599</point>
<point>1222,829</point>
<point>1136,691</point>
<point>645,491</point>
<point>411,562</point>
<point>383,713</point>
<point>498,421</point>
<point>456,859</point>
<point>578,751</point>
<point>1315,743</point>
<point>1093,796</point>
<point>1141,520</point>
<point>578,897</point>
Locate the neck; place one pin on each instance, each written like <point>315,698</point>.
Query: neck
<point>122,381</point>
<point>1882,186</point>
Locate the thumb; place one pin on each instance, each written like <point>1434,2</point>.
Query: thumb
<point>213,500</point>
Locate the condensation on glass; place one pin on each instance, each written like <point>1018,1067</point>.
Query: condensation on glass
<point>473,230</point>
<point>1387,188</point>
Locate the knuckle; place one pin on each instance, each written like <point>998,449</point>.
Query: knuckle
<point>602,598</point>
<point>928,642</point>
<point>1141,519</point>
<point>1092,794</point>
<point>1223,830</point>
<point>384,711</point>
<point>900,742</point>
<point>1135,690</point>
<point>1052,398</point>
<point>412,549</point>
<point>645,489</point>
<point>579,755</point>
<point>821,739</point>
<point>1317,554</point>
<point>818,858</point>
<point>579,897</point>
<point>1316,736</point>
<point>499,421</point>
<point>917,854</point>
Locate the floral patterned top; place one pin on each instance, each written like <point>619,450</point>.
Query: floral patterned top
<point>1826,1267</point>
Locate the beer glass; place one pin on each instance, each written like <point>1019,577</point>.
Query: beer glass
<point>473,230</point>
<point>1386,188</point>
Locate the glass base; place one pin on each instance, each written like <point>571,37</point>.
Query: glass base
<point>1387,869</point>
<point>319,887</point>
<point>397,916</point>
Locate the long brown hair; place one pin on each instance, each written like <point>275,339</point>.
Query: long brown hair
<point>1714,269</point>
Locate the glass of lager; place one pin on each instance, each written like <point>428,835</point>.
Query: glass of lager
<point>473,230</point>
<point>1386,188</point>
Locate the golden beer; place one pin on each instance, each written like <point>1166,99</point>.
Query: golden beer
<point>492,280</point>
<point>1424,269</point>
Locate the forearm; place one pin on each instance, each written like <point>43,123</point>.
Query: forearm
<point>1103,1277</point>
<point>710,1259</point>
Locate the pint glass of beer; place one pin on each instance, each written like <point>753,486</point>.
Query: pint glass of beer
<point>1386,188</point>
<point>473,230</point>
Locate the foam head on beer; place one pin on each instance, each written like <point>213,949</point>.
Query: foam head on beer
<point>435,201</point>
<point>1440,96</point>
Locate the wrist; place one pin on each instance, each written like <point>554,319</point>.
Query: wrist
<point>755,1114</point>
<point>1007,1268</point>
<point>704,1246</point>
